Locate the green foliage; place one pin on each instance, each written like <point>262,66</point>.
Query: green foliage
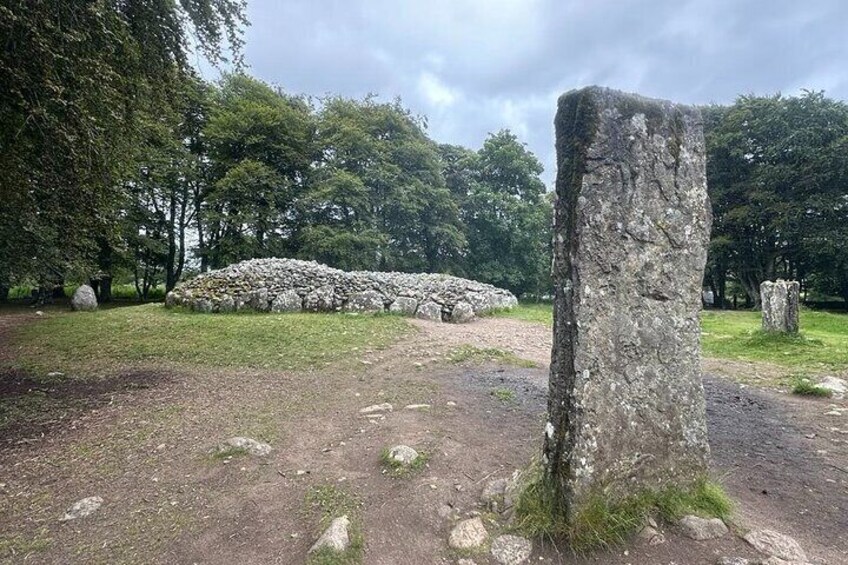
<point>505,395</point>
<point>803,386</point>
<point>397,469</point>
<point>330,502</point>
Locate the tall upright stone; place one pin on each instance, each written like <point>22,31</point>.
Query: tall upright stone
<point>780,301</point>
<point>632,225</point>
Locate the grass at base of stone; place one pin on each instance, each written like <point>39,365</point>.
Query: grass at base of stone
<point>602,524</point>
<point>229,452</point>
<point>472,354</point>
<point>803,386</point>
<point>332,502</point>
<point>398,469</point>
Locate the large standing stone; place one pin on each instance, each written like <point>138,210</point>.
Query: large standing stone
<point>84,299</point>
<point>632,222</point>
<point>780,305</point>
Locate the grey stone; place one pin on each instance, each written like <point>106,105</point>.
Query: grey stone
<point>377,408</point>
<point>701,529</point>
<point>404,305</point>
<point>493,495</point>
<point>321,299</point>
<point>429,311</point>
<point>651,535</point>
<point>227,305</point>
<point>403,454</point>
<point>287,301</point>
<point>631,229</point>
<point>336,537</point>
<point>366,302</point>
<point>462,312</point>
<point>259,300</point>
<point>257,448</point>
<point>838,387</point>
<point>83,508</point>
<point>780,300</point>
<point>466,561</point>
<point>511,550</point>
<point>84,299</point>
<point>171,299</point>
<point>774,544</point>
<point>417,407</point>
<point>468,534</point>
<point>202,305</point>
<point>733,561</point>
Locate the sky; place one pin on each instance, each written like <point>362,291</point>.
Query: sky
<point>477,66</point>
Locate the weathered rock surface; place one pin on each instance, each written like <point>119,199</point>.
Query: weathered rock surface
<point>84,299</point>
<point>774,544</point>
<point>632,224</point>
<point>511,550</point>
<point>403,455</point>
<point>336,537</point>
<point>377,408</point>
<point>780,300</point>
<point>651,535</point>
<point>257,448</point>
<point>838,387</point>
<point>468,534</point>
<point>83,508</point>
<point>287,285</point>
<point>701,529</point>
<point>733,561</point>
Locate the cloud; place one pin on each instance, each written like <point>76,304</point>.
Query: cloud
<point>476,66</point>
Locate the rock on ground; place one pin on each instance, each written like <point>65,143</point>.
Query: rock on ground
<point>82,508</point>
<point>468,534</point>
<point>701,529</point>
<point>774,544</point>
<point>336,537</point>
<point>377,408</point>
<point>493,495</point>
<point>462,313</point>
<point>404,305</point>
<point>84,299</point>
<point>257,448</point>
<point>651,535</point>
<point>403,454</point>
<point>511,550</point>
<point>429,311</point>
<point>835,385</point>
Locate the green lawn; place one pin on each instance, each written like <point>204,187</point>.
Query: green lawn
<point>152,333</point>
<point>822,345</point>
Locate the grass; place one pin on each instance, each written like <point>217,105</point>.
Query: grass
<point>331,502</point>
<point>228,452</point>
<point>537,312</point>
<point>150,332</point>
<point>602,524</point>
<point>472,354</point>
<point>22,547</point>
<point>397,469</point>
<point>505,395</point>
<point>803,386</point>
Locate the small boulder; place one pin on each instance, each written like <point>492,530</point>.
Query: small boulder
<point>287,301</point>
<point>227,304</point>
<point>429,311</point>
<point>701,529</point>
<point>171,299</point>
<point>462,313</point>
<point>257,448</point>
<point>403,454</point>
<point>651,536</point>
<point>366,302</point>
<point>493,495</point>
<point>775,544</point>
<point>838,387</point>
<point>511,550</point>
<point>404,305</point>
<point>84,299</point>
<point>468,534</point>
<point>82,508</point>
<point>336,537</point>
<point>377,408</point>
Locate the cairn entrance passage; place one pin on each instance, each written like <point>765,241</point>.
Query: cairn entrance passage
<point>632,222</point>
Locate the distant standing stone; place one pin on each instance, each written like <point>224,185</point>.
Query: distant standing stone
<point>287,301</point>
<point>468,534</point>
<point>429,311</point>
<point>404,305</point>
<point>780,301</point>
<point>84,299</point>
<point>701,529</point>
<point>336,537</point>
<point>626,408</point>
<point>511,550</point>
<point>82,508</point>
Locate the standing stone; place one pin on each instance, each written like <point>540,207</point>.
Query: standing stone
<point>429,311</point>
<point>287,301</point>
<point>632,223</point>
<point>780,306</point>
<point>84,299</point>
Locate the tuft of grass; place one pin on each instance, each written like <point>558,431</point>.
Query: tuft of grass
<point>228,452</point>
<point>331,502</point>
<point>602,524</point>
<point>398,469</point>
<point>505,395</point>
<point>153,333</point>
<point>472,354</point>
<point>805,387</point>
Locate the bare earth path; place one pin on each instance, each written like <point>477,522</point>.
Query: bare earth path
<point>144,449</point>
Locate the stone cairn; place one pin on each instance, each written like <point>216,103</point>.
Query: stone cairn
<point>632,223</point>
<point>780,301</point>
<point>290,285</point>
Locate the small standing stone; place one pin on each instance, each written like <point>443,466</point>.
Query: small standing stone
<point>777,545</point>
<point>701,529</point>
<point>84,299</point>
<point>780,305</point>
<point>336,537</point>
<point>462,313</point>
<point>511,550</point>
<point>429,311</point>
<point>403,454</point>
<point>83,508</point>
<point>468,534</point>
<point>404,305</point>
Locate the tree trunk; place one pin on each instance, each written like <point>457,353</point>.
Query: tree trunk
<point>4,292</point>
<point>105,289</point>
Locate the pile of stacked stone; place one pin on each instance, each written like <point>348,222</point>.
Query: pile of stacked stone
<point>290,285</point>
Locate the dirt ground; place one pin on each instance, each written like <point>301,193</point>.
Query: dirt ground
<point>141,441</point>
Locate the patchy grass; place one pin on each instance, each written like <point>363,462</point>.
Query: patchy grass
<point>22,547</point>
<point>472,354</point>
<point>228,452</point>
<point>537,312</point>
<point>398,469</point>
<point>67,342</point>
<point>330,502</point>
<point>505,395</point>
<point>601,524</point>
<point>803,386</point>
